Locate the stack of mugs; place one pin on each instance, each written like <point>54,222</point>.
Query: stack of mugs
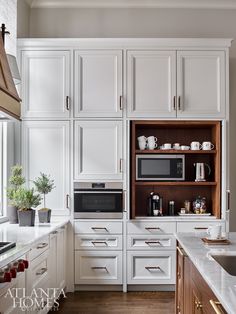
<point>147,142</point>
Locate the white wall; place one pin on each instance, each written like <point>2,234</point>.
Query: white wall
<point>146,23</point>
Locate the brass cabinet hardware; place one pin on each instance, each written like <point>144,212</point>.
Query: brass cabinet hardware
<point>198,305</point>
<point>215,305</point>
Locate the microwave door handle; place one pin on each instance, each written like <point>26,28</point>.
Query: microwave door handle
<point>97,192</point>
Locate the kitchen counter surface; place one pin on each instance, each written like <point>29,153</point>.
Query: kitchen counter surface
<point>221,283</point>
<point>24,237</point>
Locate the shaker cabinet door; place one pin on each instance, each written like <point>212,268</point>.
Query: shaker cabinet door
<point>98,83</point>
<point>98,150</point>
<point>45,148</point>
<point>201,84</point>
<point>45,84</point>
<point>151,83</point>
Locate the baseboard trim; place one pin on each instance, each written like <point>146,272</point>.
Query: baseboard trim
<point>129,288</point>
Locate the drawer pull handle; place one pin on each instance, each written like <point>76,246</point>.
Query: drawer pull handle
<point>215,305</point>
<point>200,228</point>
<point>99,242</point>
<point>181,251</point>
<point>153,267</point>
<point>121,102</point>
<point>153,242</point>
<point>67,103</point>
<point>99,268</point>
<point>99,228</point>
<point>152,228</point>
<point>42,245</point>
<point>41,271</point>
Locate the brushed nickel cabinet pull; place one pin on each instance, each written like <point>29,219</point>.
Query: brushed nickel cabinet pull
<point>153,267</point>
<point>41,271</point>
<point>228,199</point>
<point>99,267</point>
<point>121,102</point>
<point>179,103</point>
<point>99,228</point>
<point>42,245</point>
<point>67,103</point>
<point>200,228</point>
<point>152,228</point>
<point>67,201</point>
<point>153,242</point>
<point>174,103</point>
<point>99,242</point>
<point>215,305</point>
<point>121,165</point>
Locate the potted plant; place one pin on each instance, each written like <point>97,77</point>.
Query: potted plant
<point>24,199</point>
<point>44,185</point>
<point>16,180</point>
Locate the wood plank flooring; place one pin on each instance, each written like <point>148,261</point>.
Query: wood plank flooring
<point>118,303</point>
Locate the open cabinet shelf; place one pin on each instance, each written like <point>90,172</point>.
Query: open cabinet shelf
<point>183,132</point>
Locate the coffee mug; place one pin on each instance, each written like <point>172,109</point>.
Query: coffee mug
<point>214,232</point>
<point>184,147</point>
<point>142,145</point>
<point>176,146</point>
<point>207,146</point>
<point>151,145</point>
<point>195,146</point>
<point>152,139</point>
<point>166,146</point>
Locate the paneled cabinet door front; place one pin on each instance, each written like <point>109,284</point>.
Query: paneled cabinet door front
<point>98,83</point>
<point>151,84</point>
<point>98,150</point>
<point>45,148</point>
<point>45,84</point>
<point>201,84</point>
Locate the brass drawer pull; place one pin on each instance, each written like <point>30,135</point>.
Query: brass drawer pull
<point>215,305</point>
<point>99,242</point>
<point>181,251</point>
<point>153,267</point>
<point>99,268</point>
<point>99,228</point>
<point>41,271</point>
<point>42,245</point>
<point>153,242</point>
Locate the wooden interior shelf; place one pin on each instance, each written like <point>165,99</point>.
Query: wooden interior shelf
<point>183,132</point>
<point>174,151</point>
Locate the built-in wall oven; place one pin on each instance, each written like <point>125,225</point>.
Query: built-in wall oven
<point>98,200</point>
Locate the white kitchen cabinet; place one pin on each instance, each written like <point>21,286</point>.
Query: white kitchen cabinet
<point>61,258</point>
<point>151,83</point>
<point>98,150</point>
<point>98,83</point>
<point>183,84</point>
<point>201,84</point>
<point>46,148</point>
<point>45,83</point>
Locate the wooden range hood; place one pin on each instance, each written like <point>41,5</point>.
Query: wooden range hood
<point>9,98</point>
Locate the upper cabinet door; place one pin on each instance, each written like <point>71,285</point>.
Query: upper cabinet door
<point>46,148</point>
<point>151,84</point>
<point>98,150</point>
<point>201,84</point>
<point>46,84</point>
<point>98,83</point>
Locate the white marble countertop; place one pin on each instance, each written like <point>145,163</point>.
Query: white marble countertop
<point>24,237</point>
<point>221,283</point>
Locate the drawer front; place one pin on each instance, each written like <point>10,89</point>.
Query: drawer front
<point>39,271</point>
<point>94,242</point>
<point>198,226</point>
<point>98,267</point>
<point>151,227</point>
<point>98,227</point>
<point>153,268</point>
<point>38,248</point>
<point>145,242</point>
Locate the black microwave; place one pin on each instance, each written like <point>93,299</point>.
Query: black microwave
<point>158,167</point>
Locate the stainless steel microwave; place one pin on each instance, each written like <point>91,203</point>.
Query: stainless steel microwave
<point>160,167</point>
<point>98,200</point>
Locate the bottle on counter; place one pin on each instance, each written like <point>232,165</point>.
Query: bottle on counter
<point>171,208</point>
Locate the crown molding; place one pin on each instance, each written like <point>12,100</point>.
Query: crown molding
<point>177,4</point>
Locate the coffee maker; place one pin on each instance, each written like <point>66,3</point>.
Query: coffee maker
<point>154,204</point>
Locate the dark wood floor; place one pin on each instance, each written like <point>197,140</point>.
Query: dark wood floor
<point>117,303</point>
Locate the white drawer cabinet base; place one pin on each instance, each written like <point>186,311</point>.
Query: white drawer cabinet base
<point>98,242</point>
<point>151,242</point>
<point>101,267</point>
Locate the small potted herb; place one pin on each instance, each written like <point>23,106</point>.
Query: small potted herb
<point>25,199</point>
<point>16,180</point>
<point>44,185</point>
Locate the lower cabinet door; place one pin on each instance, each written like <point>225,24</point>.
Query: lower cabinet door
<point>103,267</point>
<point>151,268</point>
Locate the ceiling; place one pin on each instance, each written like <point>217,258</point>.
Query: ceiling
<point>194,4</point>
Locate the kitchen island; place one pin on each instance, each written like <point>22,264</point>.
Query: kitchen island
<point>194,260</point>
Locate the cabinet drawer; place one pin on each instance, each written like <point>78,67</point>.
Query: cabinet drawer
<point>98,227</point>
<point>98,267</point>
<point>159,242</point>
<point>152,268</point>
<point>38,248</point>
<point>94,242</point>
<point>198,226</point>
<point>151,227</point>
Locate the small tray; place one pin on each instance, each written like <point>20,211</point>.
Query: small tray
<point>223,241</point>
<point>194,215</point>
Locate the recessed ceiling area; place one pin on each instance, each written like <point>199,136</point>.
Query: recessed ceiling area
<point>191,4</point>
